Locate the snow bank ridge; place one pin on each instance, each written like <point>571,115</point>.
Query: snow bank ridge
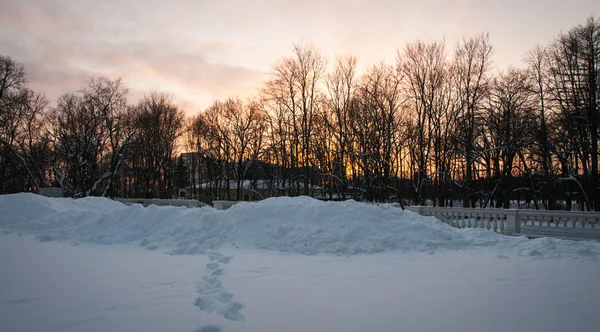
<point>300,224</point>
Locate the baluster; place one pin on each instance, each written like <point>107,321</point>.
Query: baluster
<point>495,226</point>
<point>502,221</point>
<point>548,220</point>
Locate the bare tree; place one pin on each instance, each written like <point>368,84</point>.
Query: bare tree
<point>510,122</point>
<point>341,89</point>
<point>472,66</point>
<point>108,98</point>
<point>243,121</point>
<point>13,95</point>
<point>575,59</point>
<point>538,65</point>
<point>89,137</point>
<point>427,88</point>
<point>160,124</point>
<point>376,123</point>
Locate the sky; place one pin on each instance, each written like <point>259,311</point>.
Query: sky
<point>203,50</point>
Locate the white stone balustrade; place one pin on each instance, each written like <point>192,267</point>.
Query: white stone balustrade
<point>497,220</point>
<point>532,223</point>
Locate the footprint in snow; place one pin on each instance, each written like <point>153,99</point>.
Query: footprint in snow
<point>220,258</point>
<point>209,328</point>
<point>212,266</point>
<point>225,260</point>
<point>213,297</point>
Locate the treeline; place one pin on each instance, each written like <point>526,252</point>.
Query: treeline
<point>438,125</point>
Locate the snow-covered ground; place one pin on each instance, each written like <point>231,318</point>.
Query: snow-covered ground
<point>287,264</point>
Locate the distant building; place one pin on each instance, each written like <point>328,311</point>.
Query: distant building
<point>203,178</point>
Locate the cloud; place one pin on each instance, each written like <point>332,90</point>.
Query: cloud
<point>63,49</point>
<point>201,50</point>
<point>39,19</point>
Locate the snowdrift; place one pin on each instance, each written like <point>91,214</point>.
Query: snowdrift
<point>300,224</point>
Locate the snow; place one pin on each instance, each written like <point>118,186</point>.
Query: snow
<point>300,225</point>
<point>285,264</point>
<point>57,287</point>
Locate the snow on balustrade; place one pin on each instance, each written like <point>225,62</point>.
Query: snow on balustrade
<point>532,223</point>
<point>494,220</point>
<point>566,219</point>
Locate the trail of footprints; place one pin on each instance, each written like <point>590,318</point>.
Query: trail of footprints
<point>212,297</point>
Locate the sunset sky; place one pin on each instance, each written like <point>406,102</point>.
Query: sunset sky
<point>201,50</point>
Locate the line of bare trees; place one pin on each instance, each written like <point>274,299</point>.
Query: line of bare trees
<point>83,143</point>
<point>438,126</point>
